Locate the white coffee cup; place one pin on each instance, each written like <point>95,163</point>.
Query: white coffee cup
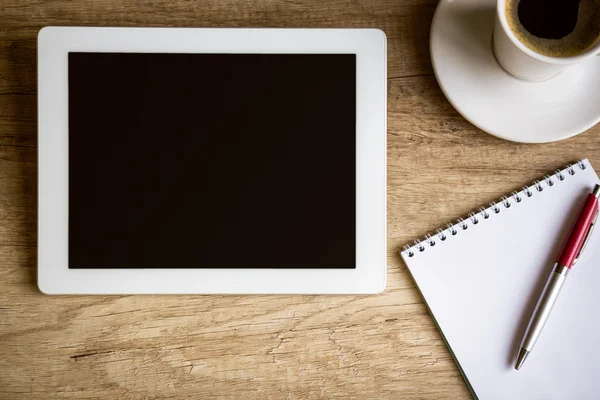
<point>524,63</point>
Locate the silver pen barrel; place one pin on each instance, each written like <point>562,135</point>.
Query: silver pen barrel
<point>542,311</point>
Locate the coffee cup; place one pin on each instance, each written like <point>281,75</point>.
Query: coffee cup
<point>538,52</point>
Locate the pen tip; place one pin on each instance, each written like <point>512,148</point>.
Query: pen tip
<point>521,358</point>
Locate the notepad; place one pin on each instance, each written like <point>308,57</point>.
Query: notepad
<point>482,275</point>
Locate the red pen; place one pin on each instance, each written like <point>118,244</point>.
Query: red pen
<point>574,245</point>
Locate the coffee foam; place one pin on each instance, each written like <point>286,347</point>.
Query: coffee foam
<point>585,34</point>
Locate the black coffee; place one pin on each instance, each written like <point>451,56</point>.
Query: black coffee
<point>556,28</point>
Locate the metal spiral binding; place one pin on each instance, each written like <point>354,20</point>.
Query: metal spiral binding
<point>495,208</point>
<point>440,234</point>
<point>473,218</point>
<point>430,240</point>
<point>453,230</point>
<point>517,197</point>
<point>419,245</point>
<point>483,213</point>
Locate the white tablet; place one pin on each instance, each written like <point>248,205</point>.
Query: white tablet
<point>211,160</point>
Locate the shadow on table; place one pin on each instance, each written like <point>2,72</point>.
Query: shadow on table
<point>22,119</point>
<point>470,36</point>
<point>420,36</point>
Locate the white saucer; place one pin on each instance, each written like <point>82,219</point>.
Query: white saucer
<point>493,100</point>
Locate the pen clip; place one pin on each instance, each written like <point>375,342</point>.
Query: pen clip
<point>587,237</point>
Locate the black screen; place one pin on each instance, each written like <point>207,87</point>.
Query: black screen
<point>212,160</point>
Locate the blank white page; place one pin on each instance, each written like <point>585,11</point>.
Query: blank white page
<point>482,284</point>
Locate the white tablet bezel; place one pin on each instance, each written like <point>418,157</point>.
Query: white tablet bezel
<point>54,276</point>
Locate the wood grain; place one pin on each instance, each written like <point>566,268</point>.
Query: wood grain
<point>273,347</point>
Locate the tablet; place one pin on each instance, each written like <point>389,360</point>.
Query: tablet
<point>179,160</point>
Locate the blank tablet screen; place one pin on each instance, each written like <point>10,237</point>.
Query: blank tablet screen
<point>212,160</point>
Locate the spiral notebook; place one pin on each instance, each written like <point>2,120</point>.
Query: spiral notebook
<point>482,275</point>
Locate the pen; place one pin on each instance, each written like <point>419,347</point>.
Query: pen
<point>576,241</point>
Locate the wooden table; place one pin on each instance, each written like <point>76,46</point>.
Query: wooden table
<point>145,347</point>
